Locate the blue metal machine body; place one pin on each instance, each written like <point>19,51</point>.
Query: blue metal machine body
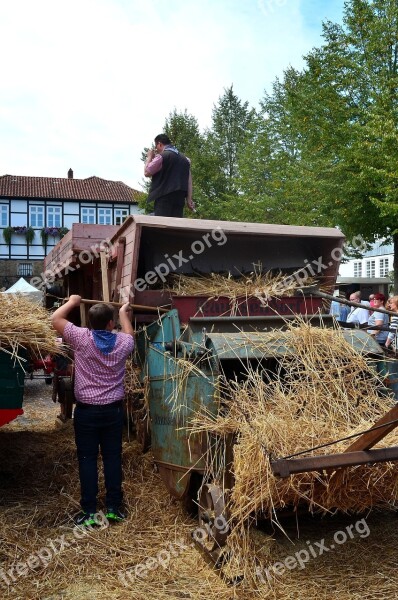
<point>182,382</point>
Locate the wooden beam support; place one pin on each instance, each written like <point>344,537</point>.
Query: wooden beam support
<point>371,438</point>
<point>286,467</point>
<point>104,276</point>
<point>83,320</point>
<point>119,266</point>
<point>119,304</point>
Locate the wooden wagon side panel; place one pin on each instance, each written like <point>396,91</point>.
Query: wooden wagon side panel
<point>130,263</point>
<point>123,262</point>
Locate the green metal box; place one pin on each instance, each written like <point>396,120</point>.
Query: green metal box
<point>12,380</point>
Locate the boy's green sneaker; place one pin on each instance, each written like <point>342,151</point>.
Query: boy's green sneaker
<point>115,515</point>
<point>85,519</point>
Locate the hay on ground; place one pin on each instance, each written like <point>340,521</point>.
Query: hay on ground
<point>40,493</point>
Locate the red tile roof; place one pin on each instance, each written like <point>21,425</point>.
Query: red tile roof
<point>92,188</point>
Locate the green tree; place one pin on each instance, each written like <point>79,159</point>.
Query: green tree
<point>333,128</point>
<point>223,143</point>
<point>214,154</point>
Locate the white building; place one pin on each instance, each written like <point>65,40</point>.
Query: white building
<point>377,262</point>
<point>370,273</point>
<point>35,212</point>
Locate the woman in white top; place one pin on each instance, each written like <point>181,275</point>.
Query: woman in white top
<point>392,336</point>
<point>378,318</point>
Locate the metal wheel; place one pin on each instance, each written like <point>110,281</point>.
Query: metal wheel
<point>213,522</point>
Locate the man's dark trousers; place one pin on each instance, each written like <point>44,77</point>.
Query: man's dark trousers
<point>170,205</point>
<point>99,427</point>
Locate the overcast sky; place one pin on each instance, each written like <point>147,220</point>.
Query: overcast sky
<point>87,84</point>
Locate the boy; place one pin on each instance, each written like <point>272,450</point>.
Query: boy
<point>100,357</point>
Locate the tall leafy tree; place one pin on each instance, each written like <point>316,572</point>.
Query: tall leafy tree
<point>334,128</point>
<point>227,136</point>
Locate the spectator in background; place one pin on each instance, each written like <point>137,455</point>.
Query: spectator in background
<point>371,303</point>
<point>335,309</point>
<point>344,309</point>
<point>392,336</point>
<point>338,310</point>
<point>357,316</point>
<point>379,319</point>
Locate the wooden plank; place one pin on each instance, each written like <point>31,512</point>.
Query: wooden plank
<point>83,320</point>
<point>235,227</point>
<point>119,304</point>
<point>286,467</point>
<point>369,439</point>
<point>104,276</point>
<point>119,265</point>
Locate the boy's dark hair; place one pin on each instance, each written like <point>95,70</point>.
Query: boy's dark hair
<point>163,139</point>
<point>99,315</point>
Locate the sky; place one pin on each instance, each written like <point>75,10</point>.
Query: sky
<point>87,84</point>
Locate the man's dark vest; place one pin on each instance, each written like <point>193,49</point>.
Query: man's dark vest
<point>172,177</point>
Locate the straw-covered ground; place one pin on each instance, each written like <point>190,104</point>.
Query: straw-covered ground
<point>150,556</point>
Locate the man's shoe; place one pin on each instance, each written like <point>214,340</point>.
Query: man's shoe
<point>85,519</point>
<point>115,515</point>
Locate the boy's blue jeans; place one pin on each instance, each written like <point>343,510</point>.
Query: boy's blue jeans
<point>99,427</point>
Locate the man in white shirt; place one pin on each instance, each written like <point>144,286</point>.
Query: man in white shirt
<point>357,316</point>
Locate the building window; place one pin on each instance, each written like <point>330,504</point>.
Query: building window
<point>3,215</point>
<point>53,216</point>
<point>357,268</point>
<point>25,269</point>
<point>88,216</point>
<point>120,215</point>
<point>384,267</point>
<point>105,216</point>
<point>371,268</point>
<point>36,216</point>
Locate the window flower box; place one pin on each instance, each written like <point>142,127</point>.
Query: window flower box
<point>28,232</point>
<point>45,232</point>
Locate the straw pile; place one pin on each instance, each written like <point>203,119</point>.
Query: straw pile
<point>323,392</point>
<point>132,383</point>
<point>25,325</point>
<point>40,493</point>
<point>257,284</point>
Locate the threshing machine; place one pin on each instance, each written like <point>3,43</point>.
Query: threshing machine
<point>195,339</point>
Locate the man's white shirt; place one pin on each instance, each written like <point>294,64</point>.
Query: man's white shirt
<point>358,316</point>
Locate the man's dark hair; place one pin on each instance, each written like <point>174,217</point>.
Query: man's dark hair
<point>163,139</point>
<point>99,315</point>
